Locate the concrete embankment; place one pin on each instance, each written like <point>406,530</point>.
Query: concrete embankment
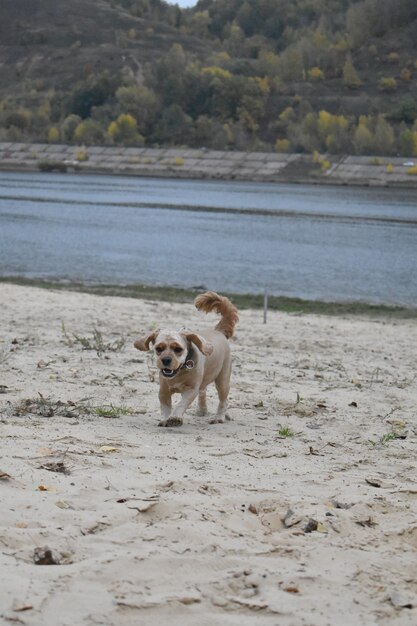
<point>210,164</point>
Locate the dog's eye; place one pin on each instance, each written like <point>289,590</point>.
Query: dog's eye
<point>158,350</point>
<point>177,350</point>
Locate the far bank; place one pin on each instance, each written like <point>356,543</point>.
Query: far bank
<point>212,164</point>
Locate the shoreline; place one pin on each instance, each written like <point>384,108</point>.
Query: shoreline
<point>181,295</point>
<point>204,164</point>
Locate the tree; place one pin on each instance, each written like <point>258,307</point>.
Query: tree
<point>268,63</point>
<point>68,126</point>
<point>408,142</point>
<point>141,103</point>
<point>387,84</point>
<point>125,130</point>
<point>53,135</point>
<point>350,75</point>
<point>315,74</point>
<point>174,127</point>
<point>291,64</point>
<point>362,139</point>
<point>200,22</point>
<point>93,92</point>
<point>384,136</point>
<point>282,145</point>
<point>89,132</point>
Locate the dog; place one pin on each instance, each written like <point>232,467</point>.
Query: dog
<point>188,361</point>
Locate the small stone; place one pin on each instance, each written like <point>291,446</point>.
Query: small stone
<point>291,519</point>
<point>311,525</point>
<point>400,601</point>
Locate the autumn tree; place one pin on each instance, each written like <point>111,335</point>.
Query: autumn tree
<point>141,103</point>
<point>384,137</point>
<point>69,126</point>
<point>89,132</point>
<point>363,139</point>
<point>350,75</point>
<point>124,130</point>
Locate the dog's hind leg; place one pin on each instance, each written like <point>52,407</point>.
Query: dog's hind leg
<point>222,383</point>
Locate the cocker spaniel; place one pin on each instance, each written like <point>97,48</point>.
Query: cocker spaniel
<point>188,361</point>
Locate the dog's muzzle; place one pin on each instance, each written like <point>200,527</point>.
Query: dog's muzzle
<point>168,373</point>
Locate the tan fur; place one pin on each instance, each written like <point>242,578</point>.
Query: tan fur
<point>207,355</point>
<point>211,301</point>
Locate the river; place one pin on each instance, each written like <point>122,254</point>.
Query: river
<point>320,243</point>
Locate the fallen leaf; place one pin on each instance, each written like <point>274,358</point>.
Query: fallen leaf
<point>189,600</point>
<point>45,451</point>
<point>61,504</point>
<point>355,404</point>
<point>109,449</point>
<point>321,528</point>
<point>45,488</point>
<point>252,508</point>
<point>396,422</point>
<point>4,476</point>
<point>291,589</point>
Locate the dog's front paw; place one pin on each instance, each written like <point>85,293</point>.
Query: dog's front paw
<point>220,419</point>
<point>171,421</point>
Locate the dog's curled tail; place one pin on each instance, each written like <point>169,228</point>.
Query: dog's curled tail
<point>211,301</point>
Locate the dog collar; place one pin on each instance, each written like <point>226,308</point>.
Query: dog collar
<point>189,361</point>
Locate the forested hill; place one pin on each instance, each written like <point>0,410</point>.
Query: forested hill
<point>336,76</point>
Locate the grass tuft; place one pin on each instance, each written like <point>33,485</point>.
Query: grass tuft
<point>285,431</point>
<point>96,342</point>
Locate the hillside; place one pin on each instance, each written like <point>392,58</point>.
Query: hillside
<point>336,76</point>
<point>50,44</point>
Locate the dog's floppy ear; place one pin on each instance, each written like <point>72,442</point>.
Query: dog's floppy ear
<point>143,342</point>
<point>204,346</point>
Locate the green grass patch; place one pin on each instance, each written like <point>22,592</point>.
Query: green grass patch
<point>385,439</point>
<point>242,301</point>
<point>111,411</point>
<point>285,431</point>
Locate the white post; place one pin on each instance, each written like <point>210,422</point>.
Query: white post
<point>265,305</point>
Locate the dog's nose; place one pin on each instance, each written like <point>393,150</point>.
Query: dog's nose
<point>166,361</point>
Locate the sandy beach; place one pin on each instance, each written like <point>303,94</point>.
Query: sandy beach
<point>299,511</point>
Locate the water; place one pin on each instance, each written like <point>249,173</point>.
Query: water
<point>320,243</point>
